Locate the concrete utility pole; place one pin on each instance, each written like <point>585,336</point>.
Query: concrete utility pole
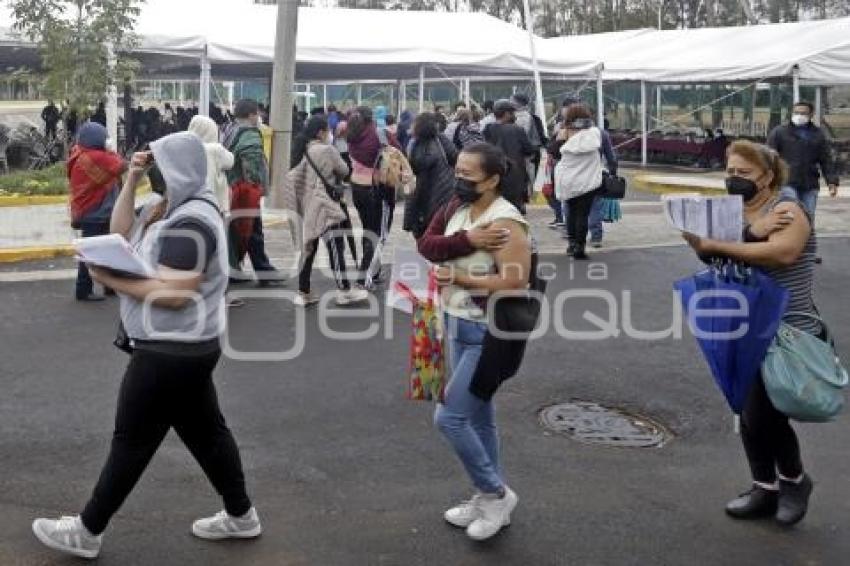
<point>283,82</point>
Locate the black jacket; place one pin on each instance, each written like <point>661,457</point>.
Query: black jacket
<point>804,148</point>
<point>435,179</point>
<point>515,143</point>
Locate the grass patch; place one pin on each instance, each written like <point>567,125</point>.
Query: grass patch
<point>51,180</point>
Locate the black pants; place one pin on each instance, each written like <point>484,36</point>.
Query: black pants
<point>160,391</point>
<point>769,440</point>
<point>255,249</point>
<point>336,255</point>
<point>50,130</point>
<point>578,213</point>
<point>371,203</point>
<point>85,285</point>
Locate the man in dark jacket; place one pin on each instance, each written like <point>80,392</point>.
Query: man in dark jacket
<point>805,148</point>
<point>515,143</point>
<point>50,115</point>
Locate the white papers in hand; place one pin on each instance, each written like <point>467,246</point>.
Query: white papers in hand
<point>713,217</point>
<point>112,252</point>
<point>410,269</point>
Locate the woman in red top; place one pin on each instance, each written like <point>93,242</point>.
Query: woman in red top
<point>93,176</point>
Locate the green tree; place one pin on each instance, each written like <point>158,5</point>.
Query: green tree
<point>73,36</point>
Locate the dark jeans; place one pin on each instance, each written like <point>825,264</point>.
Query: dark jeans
<point>556,207</point>
<point>50,130</point>
<point>336,255</point>
<point>85,285</point>
<point>371,204</point>
<point>769,440</point>
<point>160,391</point>
<point>578,213</point>
<point>256,248</point>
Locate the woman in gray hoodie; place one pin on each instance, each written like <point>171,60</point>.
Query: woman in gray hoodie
<point>171,324</point>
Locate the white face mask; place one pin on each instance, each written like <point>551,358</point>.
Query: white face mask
<point>799,119</point>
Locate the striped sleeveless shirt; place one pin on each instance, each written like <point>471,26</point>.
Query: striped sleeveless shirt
<point>799,277</point>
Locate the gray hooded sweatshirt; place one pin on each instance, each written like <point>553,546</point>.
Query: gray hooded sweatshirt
<point>183,163</point>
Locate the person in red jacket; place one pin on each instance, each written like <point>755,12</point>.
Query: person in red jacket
<point>93,178</point>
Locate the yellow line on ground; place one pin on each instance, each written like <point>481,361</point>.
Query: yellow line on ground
<point>34,253</point>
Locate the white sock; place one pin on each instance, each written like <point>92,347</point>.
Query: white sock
<point>768,486</point>
<point>798,479</point>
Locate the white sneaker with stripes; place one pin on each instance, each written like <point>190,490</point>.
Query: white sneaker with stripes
<point>223,526</point>
<point>68,535</point>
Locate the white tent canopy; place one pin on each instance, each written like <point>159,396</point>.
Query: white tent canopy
<point>238,36</point>
<point>819,50</point>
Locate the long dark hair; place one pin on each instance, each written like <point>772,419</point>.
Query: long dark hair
<point>310,132</point>
<point>360,119</point>
<point>492,159</point>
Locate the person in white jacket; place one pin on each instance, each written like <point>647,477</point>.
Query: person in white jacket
<point>219,159</point>
<point>578,174</point>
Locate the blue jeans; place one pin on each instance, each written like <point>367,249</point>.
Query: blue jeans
<point>467,422</point>
<point>556,207</point>
<point>810,200</point>
<point>595,220</point>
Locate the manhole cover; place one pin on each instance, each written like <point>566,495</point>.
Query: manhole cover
<point>592,423</point>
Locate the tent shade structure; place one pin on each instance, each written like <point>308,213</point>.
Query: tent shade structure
<point>819,50</point>
<point>237,37</point>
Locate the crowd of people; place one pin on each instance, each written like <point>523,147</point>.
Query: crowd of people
<point>466,210</point>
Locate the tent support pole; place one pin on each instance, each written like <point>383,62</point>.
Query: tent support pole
<point>468,94</point>
<point>538,85</point>
<point>643,126</point>
<point>795,81</point>
<point>402,97</point>
<point>658,104</point>
<point>359,94</point>
<point>325,96</point>
<point>818,105</point>
<point>204,92</point>
<point>421,88</point>
<point>600,101</point>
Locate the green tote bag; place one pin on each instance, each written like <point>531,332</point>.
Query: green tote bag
<point>802,374</point>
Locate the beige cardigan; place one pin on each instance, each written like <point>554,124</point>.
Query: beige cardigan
<point>305,195</point>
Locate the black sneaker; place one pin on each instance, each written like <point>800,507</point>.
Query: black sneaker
<point>91,298</point>
<point>793,501</point>
<point>754,504</point>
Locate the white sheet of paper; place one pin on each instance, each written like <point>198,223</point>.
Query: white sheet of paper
<point>411,269</point>
<point>714,217</point>
<point>113,252</point>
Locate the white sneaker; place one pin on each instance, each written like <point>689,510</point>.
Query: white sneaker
<point>221,526</point>
<point>305,299</point>
<point>68,535</point>
<point>495,514</point>
<point>465,513</point>
<point>351,296</point>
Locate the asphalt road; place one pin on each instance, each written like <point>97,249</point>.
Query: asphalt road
<point>345,471</point>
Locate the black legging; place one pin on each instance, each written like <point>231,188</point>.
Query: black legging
<point>769,440</point>
<point>370,202</point>
<point>336,255</point>
<point>160,391</point>
<point>578,213</point>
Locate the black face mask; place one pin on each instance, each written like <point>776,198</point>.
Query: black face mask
<point>465,191</point>
<point>740,186</point>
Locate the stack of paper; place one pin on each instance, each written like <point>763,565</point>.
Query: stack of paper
<point>112,252</point>
<point>713,217</point>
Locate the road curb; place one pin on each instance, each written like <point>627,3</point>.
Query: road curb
<point>14,255</point>
<point>37,200</point>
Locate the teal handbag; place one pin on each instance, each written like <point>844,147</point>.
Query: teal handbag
<point>802,374</point>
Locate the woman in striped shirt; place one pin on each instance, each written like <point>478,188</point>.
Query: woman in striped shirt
<point>779,238</point>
